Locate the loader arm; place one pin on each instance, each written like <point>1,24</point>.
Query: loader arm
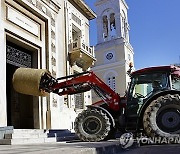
<point>82,82</point>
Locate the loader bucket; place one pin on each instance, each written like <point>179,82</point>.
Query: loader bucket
<point>27,81</point>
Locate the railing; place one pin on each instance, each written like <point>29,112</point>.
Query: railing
<point>78,44</point>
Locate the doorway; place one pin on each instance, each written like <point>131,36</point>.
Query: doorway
<point>19,106</point>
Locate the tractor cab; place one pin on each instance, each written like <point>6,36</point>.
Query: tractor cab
<point>146,84</point>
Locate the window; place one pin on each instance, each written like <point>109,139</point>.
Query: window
<point>112,20</point>
<point>124,25</point>
<point>105,27</point>
<point>79,101</point>
<point>79,98</point>
<point>112,25</point>
<point>175,82</point>
<point>145,85</point>
<point>109,26</point>
<point>86,33</point>
<point>76,33</point>
<point>76,19</point>
<point>129,57</point>
<point>111,81</point>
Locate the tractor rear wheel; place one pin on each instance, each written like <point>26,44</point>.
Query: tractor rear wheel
<point>92,125</point>
<point>162,117</point>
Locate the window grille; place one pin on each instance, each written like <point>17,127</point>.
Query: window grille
<point>17,57</point>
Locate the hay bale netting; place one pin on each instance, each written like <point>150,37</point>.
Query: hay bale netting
<point>27,80</point>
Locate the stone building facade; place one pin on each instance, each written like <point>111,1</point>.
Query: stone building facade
<point>113,51</point>
<point>44,34</point>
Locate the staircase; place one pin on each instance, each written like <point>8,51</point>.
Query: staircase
<point>62,135</point>
<point>10,136</point>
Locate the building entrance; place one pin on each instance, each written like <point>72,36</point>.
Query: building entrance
<point>19,106</point>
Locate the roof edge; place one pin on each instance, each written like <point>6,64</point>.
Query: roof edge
<point>89,13</point>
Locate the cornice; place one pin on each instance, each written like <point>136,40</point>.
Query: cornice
<point>89,13</point>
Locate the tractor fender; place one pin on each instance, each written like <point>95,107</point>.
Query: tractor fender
<point>149,100</point>
<point>105,111</point>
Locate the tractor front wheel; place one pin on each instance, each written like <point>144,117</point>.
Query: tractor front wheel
<point>162,117</point>
<point>92,125</point>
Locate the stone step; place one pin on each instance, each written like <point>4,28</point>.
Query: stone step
<point>28,131</point>
<point>20,141</point>
<point>59,133</point>
<point>50,140</point>
<point>24,135</point>
<point>62,135</point>
<point>30,136</point>
<point>66,138</point>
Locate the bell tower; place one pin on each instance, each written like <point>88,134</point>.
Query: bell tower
<point>112,21</point>
<point>113,51</point>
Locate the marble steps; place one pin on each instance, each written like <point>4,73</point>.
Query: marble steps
<point>62,135</point>
<point>26,136</point>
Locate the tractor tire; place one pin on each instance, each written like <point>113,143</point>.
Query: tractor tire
<point>111,134</point>
<point>162,117</point>
<point>92,125</point>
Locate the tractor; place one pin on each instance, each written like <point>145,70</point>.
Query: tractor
<point>150,106</point>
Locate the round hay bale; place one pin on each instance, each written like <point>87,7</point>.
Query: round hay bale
<point>27,80</point>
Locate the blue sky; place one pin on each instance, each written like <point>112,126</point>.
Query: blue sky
<point>154,31</point>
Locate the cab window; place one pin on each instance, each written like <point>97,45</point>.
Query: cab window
<point>175,82</point>
<point>142,86</point>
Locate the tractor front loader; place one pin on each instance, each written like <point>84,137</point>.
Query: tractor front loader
<point>151,105</point>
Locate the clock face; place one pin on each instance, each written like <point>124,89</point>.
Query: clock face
<point>109,56</point>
